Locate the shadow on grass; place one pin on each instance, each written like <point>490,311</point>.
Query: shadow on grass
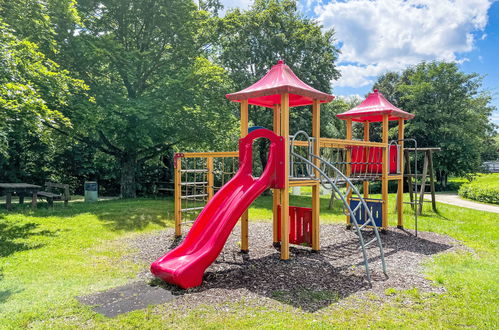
<point>118,215</point>
<point>14,237</point>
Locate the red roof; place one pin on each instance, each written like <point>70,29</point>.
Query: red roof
<point>373,108</point>
<point>280,79</point>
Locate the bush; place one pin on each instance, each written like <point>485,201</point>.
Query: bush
<point>483,189</point>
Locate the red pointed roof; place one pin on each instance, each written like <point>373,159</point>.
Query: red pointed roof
<point>280,79</point>
<point>373,108</point>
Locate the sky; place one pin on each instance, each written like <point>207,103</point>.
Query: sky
<point>377,36</point>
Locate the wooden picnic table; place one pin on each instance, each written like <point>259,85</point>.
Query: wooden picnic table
<point>21,190</point>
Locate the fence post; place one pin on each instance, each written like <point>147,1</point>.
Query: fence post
<point>210,177</point>
<point>177,161</point>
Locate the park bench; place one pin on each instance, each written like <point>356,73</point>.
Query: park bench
<point>50,196</point>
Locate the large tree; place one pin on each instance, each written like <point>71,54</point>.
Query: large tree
<point>452,112</point>
<point>151,84</point>
<point>33,91</point>
<point>251,41</point>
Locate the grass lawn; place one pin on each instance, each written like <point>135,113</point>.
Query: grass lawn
<point>48,257</point>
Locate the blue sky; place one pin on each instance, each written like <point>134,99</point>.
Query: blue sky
<point>376,36</point>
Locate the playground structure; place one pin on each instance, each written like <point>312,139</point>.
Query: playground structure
<point>293,161</point>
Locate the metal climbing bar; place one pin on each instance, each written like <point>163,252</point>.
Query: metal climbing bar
<point>331,183</point>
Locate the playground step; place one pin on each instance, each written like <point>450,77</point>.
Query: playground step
<point>194,171</point>
<point>193,196</point>
<point>192,209</point>
<point>193,183</point>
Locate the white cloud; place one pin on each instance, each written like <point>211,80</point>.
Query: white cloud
<point>230,4</point>
<point>388,35</point>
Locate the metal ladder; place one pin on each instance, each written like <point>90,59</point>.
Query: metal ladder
<point>330,183</point>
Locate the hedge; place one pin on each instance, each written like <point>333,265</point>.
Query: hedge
<point>483,189</point>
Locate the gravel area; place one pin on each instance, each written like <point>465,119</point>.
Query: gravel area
<point>309,281</point>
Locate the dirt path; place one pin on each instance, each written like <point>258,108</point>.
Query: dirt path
<point>454,199</point>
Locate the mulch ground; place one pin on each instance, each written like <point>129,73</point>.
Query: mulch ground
<point>309,281</point>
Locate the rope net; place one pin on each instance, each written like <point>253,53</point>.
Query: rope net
<point>195,183</point>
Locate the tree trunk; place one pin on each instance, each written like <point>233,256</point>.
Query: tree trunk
<point>128,185</point>
<point>443,178</point>
<point>263,152</point>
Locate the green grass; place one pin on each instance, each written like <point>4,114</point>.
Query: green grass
<point>48,257</point>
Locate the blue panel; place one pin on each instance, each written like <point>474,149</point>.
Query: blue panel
<point>374,206</point>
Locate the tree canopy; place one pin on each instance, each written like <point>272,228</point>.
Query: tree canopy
<point>452,112</point>
<point>109,89</point>
<point>151,81</point>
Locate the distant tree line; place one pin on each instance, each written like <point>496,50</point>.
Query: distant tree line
<point>108,90</point>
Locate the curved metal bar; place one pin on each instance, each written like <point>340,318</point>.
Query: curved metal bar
<point>352,215</point>
<point>371,219</point>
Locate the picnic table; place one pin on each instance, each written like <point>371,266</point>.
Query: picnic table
<point>21,190</point>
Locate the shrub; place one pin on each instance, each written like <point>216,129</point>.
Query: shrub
<point>483,189</point>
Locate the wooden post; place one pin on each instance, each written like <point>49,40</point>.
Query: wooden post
<point>316,201</point>
<point>210,178</point>
<point>366,138</point>
<point>244,217</point>
<point>384,176</point>
<point>177,162</point>
<point>285,190</point>
<point>400,182</point>
<point>409,177</point>
<point>423,183</point>
<point>34,198</point>
<point>276,194</point>
<point>348,168</point>
<point>8,200</point>
<point>432,180</point>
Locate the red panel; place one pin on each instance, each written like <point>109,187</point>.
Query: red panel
<point>358,156</point>
<point>393,159</point>
<point>300,225</point>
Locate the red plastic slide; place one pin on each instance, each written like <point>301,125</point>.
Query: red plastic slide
<point>185,265</point>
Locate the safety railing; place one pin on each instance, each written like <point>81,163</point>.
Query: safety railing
<point>358,160</point>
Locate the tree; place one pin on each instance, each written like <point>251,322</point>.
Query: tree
<point>452,112</point>
<point>152,86</point>
<point>250,42</point>
<point>33,89</point>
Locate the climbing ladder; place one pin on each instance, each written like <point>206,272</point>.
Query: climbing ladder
<point>323,167</point>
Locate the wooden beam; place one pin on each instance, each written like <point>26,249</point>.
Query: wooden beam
<point>423,183</point>
<point>327,142</point>
<point>177,205</point>
<point>219,154</point>
<point>400,188</point>
<point>210,178</point>
<point>284,192</point>
<point>348,169</point>
<point>276,194</point>
<point>366,139</point>
<point>316,201</point>
<point>244,217</point>
<point>384,175</point>
<point>409,177</point>
<point>432,180</point>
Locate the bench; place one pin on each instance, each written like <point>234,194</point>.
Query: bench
<point>51,197</point>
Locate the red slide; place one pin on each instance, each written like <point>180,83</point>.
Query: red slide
<point>185,265</point>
